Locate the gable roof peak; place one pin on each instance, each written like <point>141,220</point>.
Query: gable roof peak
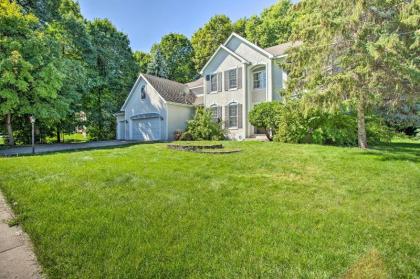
<point>256,47</point>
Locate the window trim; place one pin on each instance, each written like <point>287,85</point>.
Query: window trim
<point>236,83</point>
<point>212,107</point>
<point>253,80</point>
<point>217,83</point>
<point>237,115</point>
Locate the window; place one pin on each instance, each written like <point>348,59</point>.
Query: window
<point>213,83</point>
<point>233,79</point>
<point>259,80</point>
<point>233,115</point>
<point>143,92</point>
<point>214,114</point>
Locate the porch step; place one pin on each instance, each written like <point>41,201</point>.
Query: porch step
<point>257,137</point>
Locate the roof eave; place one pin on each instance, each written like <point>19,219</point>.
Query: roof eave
<point>223,47</point>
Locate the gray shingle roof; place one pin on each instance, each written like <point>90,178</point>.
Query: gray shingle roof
<point>171,91</point>
<point>196,83</point>
<point>282,48</point>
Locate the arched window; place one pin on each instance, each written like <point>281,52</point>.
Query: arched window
<point>233,115</point>
<point>143,92</point>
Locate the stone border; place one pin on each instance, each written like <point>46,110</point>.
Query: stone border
<point>194,147</point>
<point>204,149</point>
<point>218,152</point>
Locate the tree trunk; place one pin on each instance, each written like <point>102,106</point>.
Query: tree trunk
<point>361,123</point>
<point>11,139</point>
<point>58,134</point>
<point>269,134</point>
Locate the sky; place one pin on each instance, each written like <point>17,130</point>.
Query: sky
<point>146,21</point>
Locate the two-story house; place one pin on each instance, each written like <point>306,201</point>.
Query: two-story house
<point>238,76</point>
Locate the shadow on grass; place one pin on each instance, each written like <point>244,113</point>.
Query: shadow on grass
<point>398,151</point>
<point>93,148</point>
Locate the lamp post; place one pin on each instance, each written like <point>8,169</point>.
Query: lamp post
<point>32,119</point>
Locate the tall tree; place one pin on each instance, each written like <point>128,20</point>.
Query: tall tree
<point>143,60</point>
<point>30,75</point>
<point>356,55</point>
<point>239,27</point>
<point>273,27</point>
<point>45,10</point>
<point>112,72</point>
<point>75,53</point>
<point>158,66</point>
<point>177,52</point>
<point>209,37</point>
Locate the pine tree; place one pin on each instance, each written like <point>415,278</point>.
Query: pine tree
<point>356,55</point>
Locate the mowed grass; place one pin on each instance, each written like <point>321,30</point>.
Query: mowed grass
<point>270,211</point>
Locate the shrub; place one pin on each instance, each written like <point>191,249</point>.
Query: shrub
<point>266,116</point>
<point>319,127</point>
<point>202,127</point>
<point>186,136</point>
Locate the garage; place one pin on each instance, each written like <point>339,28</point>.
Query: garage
<point>146,127</point>
<point>121,130</point>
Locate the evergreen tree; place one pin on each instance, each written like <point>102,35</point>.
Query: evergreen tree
<point>356,55</point>
<point>158,66</point>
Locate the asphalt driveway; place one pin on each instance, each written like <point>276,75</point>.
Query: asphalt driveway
<point>47,148</point>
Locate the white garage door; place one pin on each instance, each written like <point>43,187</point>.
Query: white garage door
<point>146,129</point>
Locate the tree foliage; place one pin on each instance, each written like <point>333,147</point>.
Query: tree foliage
<point>266,116</point>
<point>273,26</point>
<point>29,68</point>
<point>143,60</point>
<point>172,58</point>
<point>112,72</point>
<point>355,55</point>
<point>209,37</point>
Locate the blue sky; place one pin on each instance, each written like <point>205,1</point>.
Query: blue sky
<point>146,21</point>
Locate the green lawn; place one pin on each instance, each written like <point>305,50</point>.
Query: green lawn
<point>271,211</point>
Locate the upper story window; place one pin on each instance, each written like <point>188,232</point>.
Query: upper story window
<point>260,80</point>
<point>233,115</point>
<point>233,79</point>
<point>213,83</point>
<point>143,92</point>
<point>214,113</point>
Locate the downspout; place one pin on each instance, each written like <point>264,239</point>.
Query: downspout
<point>246,107</point>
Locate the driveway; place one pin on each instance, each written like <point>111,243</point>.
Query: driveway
<point>47,148</point>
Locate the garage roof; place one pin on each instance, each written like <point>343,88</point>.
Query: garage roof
<point>171,91</point>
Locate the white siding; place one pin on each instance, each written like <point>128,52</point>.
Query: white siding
<point>178,115</point>
<point>247,52</point>
<point>121,127</point>
<point>223,62</point>
<point>152,104</point>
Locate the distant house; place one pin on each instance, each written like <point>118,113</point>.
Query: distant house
<point>239,75</point>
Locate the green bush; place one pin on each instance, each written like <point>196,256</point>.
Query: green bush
<point>318,127</point>
<point>202,127</point>
<point>266,116</point>
<point>186,136</point>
